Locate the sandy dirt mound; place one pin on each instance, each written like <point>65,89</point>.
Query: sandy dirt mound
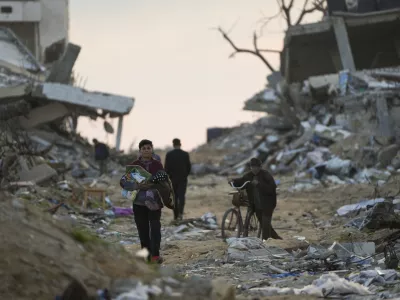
<point>39,256</point>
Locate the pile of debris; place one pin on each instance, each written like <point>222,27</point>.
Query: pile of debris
<point>321,270</point>
<point>39,111</point>
<point>33,242</point>
<point>338,128</point>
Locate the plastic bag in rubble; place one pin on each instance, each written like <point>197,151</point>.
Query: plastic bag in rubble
<point>339,167</point>
<point>210,220</point>
<point>367,175</point>
<point>381,277</point>
<point>122,211</point>
<point>344,210</point>
<point>332,284</point>
<point>325,286</point>
<point>245,243</point>
<point>140,292</point>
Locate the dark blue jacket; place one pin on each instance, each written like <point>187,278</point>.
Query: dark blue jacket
<point>100,151</point>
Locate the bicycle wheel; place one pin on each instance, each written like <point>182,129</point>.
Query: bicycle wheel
<point>252,227</point>
<point>230,224</point>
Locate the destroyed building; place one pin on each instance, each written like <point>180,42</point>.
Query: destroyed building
<point>334,107</point>
<point>41,25</point>
<point>38,101</point>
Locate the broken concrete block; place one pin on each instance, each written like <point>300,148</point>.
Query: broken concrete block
<point>14,109</point>
<point>383,116</point>
<point>344,250</point>
<point>302,140</point>
<point>38,174</point>
<point>396,161</point>
<point>329,133</point>
<point>322,83</point>
<point>273,79</point>
<point>72,95</point>
<point>62,69</point>
<point>387,154</point>
<point>43,114</point>
<point>221,290</point>
<point>340,167</point>
<point>14,91</point>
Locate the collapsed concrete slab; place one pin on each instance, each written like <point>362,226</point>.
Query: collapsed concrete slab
<point>264,101</point>
<point>15,52</point>
<point>38,174</point>
<point>61,71</point>
<point>76,96</point>
<point>43,114</point>
<point>17,91</point>
<point>23,77</point>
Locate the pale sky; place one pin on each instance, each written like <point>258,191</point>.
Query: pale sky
<point>166,55</point>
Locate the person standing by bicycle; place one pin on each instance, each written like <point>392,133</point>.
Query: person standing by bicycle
<point>261,193</point>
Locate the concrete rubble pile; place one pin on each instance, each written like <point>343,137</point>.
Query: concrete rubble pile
<point>36,241</point>
<point>333,115</point>
<point>330,270</point>
<point>330,130</point>
<point>45,164</point>
<point>39,111</point>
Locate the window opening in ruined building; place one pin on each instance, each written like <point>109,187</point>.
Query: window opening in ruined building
<point>6,9</point>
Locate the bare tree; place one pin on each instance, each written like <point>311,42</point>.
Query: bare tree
<point>307,8</point>
<point>286,8</point>
<point>257,52</point>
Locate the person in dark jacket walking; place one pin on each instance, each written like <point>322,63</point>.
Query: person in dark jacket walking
<point>101,155</point>
<point>261,192</point>
<point>147,217</point>
<point>178,166</point>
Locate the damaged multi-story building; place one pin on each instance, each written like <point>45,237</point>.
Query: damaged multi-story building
<point>36,63</point>
<point>349,62</point>
<point>41,25</point>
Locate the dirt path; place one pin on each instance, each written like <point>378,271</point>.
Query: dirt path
<point>308,217</point>
<point>306,214</point>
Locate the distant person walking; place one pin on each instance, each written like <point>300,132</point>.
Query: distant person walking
<point>178,166</point>
<point>101,155</point>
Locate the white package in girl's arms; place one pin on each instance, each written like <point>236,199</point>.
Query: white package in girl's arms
<point>139,178</point>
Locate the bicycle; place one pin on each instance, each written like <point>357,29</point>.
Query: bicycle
<point>233,220</point>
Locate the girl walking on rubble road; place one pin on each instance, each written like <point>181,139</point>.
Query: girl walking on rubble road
<point>150,197</point>
<point>262,196</point>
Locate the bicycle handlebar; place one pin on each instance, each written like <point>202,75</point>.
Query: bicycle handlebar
<point>239,188</point>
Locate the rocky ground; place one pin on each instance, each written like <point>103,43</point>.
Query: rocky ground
<point>301,218</point>
<point>46,247</point>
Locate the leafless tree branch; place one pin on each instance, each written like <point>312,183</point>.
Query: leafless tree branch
<point>256,51</point>
<point>285,10</point>
<point>266,20</point>
<point>320,5</point>
<point>286,7</point>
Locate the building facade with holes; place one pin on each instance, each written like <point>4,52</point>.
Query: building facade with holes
<point>42,25</point>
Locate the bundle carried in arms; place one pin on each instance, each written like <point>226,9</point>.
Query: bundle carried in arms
<point>136,175</point>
